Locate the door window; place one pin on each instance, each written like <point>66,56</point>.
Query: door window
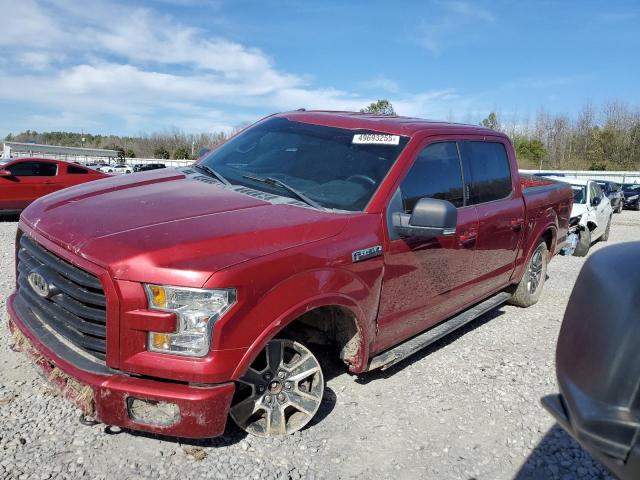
<point>436,173</point>
<point>488,164</point>
<point>597,191</point>
<point>33,169</point>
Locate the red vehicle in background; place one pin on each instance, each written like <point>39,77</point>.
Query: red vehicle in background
<point>25,179</point>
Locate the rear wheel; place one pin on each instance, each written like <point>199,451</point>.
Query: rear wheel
<point>584,243</point>
<point>620,206</point>
<point>281,391</point>
<point>530,287</point>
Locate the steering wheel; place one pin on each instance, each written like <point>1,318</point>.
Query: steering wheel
<point>359,176</point>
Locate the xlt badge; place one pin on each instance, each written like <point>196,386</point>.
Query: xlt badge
<point>365,253</point>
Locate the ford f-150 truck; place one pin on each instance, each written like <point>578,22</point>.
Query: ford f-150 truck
<point>168,300</point>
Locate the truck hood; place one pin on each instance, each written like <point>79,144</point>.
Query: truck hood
<point>173,226</point>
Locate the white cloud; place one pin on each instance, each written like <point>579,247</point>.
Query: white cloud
<point>138,69</point>
<point>382,83</point>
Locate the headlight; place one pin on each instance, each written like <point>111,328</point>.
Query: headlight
<point>196,309</point>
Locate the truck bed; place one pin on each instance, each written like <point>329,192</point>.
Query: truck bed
<point>545,198</point>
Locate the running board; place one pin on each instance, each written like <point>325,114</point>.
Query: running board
<point>390,357</point>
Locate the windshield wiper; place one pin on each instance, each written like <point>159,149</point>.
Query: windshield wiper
<point>213,173</point>
<point>277,183</point>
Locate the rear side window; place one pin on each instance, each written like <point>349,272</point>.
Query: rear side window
<point>436,173</point>
<point>33,169</point>
<point>72,169</point>
<point>490,173</point>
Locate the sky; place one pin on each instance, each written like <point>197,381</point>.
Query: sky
<point>136,67</point>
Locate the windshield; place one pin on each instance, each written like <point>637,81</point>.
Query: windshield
<point>631,189</point>
<point>579,193</point>
<point>335,167</point>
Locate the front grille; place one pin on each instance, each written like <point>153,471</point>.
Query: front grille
<point>75,305</point>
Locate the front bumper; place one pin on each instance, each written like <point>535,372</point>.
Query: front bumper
<point>104,393</point>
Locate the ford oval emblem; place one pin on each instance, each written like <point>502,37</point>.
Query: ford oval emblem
<point>39,284</point>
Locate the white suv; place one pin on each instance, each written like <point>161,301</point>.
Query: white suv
<point>590,216</point>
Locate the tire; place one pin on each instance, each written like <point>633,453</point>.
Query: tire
<point>530,287</point>
<point>605,235</point>
<point>619,209</point>
<point>584,244</point>
<point>281,391</point>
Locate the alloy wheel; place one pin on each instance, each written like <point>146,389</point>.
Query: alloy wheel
<point>535,270</point>
<point>281,391</point>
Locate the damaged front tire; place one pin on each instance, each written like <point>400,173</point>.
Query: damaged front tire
<point>281,391</point>
<point>584,243</point>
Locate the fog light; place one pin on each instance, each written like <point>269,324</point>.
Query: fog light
<point>153,412</point>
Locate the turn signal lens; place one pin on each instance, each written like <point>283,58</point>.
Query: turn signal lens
<point>158,296</point>
<point>160,341</point>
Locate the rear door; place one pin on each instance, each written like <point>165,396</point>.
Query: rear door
<point>74,174</point>
<point>427,280</point>
<point>500,208</point>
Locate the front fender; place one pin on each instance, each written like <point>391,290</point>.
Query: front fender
<point>586,219</point>
<point>291,298</point>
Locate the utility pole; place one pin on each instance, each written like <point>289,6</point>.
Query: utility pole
<point>86,157</point>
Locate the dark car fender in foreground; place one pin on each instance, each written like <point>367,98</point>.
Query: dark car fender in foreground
<point>598,361</point>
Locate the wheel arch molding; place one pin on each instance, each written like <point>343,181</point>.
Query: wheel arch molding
<point>298,309</point>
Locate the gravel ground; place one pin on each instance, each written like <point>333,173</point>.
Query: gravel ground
<point>466,408</point>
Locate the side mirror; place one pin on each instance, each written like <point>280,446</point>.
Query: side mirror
<point>596,201</point>
<point>430,218</point>
<point>5,173</point>
<point>597,360</point>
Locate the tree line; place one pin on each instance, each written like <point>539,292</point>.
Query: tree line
<point>603,138</point>
<point>598,138</point>
<point>173,145</point>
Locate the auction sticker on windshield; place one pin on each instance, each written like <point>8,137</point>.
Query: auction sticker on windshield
<point>376,139</point>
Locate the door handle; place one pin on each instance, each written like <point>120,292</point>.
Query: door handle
<point>516,224</point>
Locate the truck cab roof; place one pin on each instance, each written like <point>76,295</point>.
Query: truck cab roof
<point>385,123</point>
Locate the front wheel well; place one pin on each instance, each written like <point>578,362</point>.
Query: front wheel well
<point>330,326</point>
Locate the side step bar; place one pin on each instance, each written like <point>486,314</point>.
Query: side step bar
<point>396,354</point>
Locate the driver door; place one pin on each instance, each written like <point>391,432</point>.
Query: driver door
<point>427,279</point>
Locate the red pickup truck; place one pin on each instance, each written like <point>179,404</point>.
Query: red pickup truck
<point>167,300</point>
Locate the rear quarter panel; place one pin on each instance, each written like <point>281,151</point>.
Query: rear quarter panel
<point>548,208</point>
